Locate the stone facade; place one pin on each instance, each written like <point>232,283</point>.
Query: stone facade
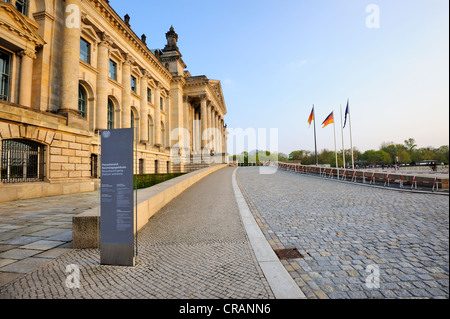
<point>70,69</point>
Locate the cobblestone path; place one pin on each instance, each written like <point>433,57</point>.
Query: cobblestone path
<point>349,234</point>
<point>194,248</point>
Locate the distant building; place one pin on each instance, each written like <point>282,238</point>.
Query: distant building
<point>72,68</point>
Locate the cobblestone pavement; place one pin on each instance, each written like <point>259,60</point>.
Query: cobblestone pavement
<point>347,233</point>
<point>194,248</point>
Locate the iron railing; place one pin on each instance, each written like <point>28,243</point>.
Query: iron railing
<point>21,161</point>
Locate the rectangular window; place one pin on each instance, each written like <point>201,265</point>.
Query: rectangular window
<point>22,6</point>
<point>113,70</point>
<point>149,95</point>
<point>5,74</point>
<point>133,84</point>
<point>85,51</point>
<point>161,103</point>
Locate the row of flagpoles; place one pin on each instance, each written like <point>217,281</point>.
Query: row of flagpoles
<point>330,120</point>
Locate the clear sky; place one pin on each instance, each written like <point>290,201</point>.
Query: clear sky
<point>275,59</point>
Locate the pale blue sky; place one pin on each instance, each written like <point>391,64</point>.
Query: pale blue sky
<point>275,59</point>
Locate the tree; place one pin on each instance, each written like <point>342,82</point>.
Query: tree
<point>296,156</point>
<point>442,154</point>
<point>377,157</point>
<point>404,157</point>
<point>327,157</point>
<point>282,157</point>
<point>410,144</point>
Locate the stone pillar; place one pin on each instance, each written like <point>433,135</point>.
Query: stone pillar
<point>70,60</point>
<point>26,71</point>
<point>169,124</point>
<point>143,109</point>
<point>204,119</point>
<point>101,109</point>
<point>222,126</point>
<point>191,120</point>
<point>216,137</point>
<point>157,115</point>
<point>186,131</point>
<point>126,92</point>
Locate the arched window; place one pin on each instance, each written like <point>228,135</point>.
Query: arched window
<point>151,131</point>
<point>22,161</point>
<point>110,114</point>
<point>82,101</point>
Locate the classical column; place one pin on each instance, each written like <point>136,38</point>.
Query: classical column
<point>126,92</point>
<point>101,121</point>
<point>26,71</point>
<point>204,119</point>
<point>222,126</point>
<point>186,139</point>
<point>198,132</point>
<point>216,133</point>
<point>70,60</point>
<point>143,109</point>
<point>169,124</point>
<point>158,115</point>
<point>191,127</point>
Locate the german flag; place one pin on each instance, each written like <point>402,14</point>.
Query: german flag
<point>311,117</point>
<point>329,120</point>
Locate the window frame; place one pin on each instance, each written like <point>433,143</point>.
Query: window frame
<point>149,95</point>
<point>88,53</point>
<point>5,78</point>
<point>113,64</point>
<point>82,110</point>
<point>111,115</point>
<point>133,80</point>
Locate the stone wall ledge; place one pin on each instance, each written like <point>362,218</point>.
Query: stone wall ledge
<point>20,191</point>
<point>86,226</point>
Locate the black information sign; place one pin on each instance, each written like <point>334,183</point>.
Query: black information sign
<point>116,221</point>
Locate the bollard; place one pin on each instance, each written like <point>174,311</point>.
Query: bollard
<point>386,181</point>
<point>414,183</point>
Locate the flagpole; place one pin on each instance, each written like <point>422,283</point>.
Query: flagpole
<point>351,137</point>
<point>315,138</point>
<point>335,147</point>
<point>342,133</point>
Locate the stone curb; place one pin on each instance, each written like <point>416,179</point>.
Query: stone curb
<point>282,284</point>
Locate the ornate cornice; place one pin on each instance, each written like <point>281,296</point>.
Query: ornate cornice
<point>23,27</point>
<point>103,7</point>
<point>31,53</point>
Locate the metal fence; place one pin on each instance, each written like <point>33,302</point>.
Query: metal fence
<point>21,161</point>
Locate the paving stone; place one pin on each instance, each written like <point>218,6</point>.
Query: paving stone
<point>346,227</point>
<point>19,253</point>
<point>206,256</point>
<point>25,266</point>
<point>43,245</point>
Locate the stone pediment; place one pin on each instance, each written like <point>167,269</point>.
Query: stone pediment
<point>217,89</point>
<point>16,23</point>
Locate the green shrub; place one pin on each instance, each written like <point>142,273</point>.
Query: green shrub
<point>149,180</point>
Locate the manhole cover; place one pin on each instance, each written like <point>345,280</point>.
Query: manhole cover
<point>288,253</point>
